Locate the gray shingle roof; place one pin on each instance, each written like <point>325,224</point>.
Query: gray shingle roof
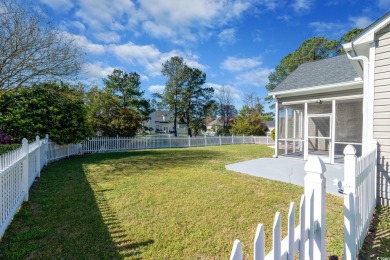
<point>318,73</point>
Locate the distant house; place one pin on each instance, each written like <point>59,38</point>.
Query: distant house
<point>270,125</point>
<point>161,122</point>
<point>325,105</point>
<point>213,126</point>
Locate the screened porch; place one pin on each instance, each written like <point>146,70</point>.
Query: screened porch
<point>320,127</point>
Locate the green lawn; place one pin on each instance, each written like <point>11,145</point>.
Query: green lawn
<point>154,204</point>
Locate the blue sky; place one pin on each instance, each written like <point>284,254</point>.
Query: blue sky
<point>237,43</point>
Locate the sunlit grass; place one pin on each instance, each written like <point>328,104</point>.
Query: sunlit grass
<point>154,204</point>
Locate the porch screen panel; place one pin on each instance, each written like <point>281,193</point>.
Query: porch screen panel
<point>319,108</point>
<point>290,123</point>
<point>282,122</point>
<point>349,125</point>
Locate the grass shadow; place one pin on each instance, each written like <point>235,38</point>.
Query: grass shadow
<point>66,219</point>
<point>377,241</point>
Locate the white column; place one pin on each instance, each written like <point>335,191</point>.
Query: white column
<point>305,138</point>
<point>286,131</point>
<point>294,128</point>
<point>276,128</point>
<point>333,133</point>
<point>315,183</point>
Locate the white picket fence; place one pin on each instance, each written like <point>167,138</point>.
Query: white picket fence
<point>360,197</point>
<point>308,238</point>
<point>105,144</point>
<point>18,170</point>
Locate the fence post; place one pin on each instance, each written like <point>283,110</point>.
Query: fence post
<point>205,140</point>
<point>350,160</point>
<point>117,143</point>
<point>170,141</point>
<point>189,141</point>
<point>46,149</point>
<point>38,156</point>
<point>25,152</point>
<point>315,183</point>
<point>232,139</point>
<point>220,140</point>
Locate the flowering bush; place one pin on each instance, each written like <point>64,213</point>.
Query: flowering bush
<point>5,139</point>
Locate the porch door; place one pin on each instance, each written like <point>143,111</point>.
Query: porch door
<point>319,132</point>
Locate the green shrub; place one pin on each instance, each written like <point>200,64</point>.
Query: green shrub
<point>4,148</point>
<point>273,134</point>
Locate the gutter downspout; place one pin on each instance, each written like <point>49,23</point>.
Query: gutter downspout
<point>366,96</point>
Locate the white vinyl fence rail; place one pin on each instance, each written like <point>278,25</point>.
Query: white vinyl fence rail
<point>18,170</point>
<point>308,238</point>
<point>105,144</point>
<point>360,197</point>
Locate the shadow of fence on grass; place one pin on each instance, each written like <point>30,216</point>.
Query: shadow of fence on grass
<point>377,241</point>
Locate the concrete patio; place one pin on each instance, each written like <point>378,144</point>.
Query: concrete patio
<point>287,170</point>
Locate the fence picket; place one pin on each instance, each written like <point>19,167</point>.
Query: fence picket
<point>276,237</point>
<point>302,229</point>
<point>258,248</point>
<point>236,251</point>
<point>291,232</point>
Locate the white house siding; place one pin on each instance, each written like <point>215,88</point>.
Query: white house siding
<point>382,112</point>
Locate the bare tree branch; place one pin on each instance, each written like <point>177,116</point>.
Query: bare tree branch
<point>31,50</point>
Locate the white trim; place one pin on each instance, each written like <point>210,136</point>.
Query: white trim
<point>306,142</point>
<point>333,133</point>
<point>371,94</point>
<point>276,129</point>
<point>369,36</point>
<point>316,89</point>
<point>327,159</point>
<point>286,103</point>
<point>286,127</point>
<point>366,96</point>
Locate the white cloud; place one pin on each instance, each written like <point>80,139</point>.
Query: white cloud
<point>87,45</point>
<point>324,28</point>
<point>385,4</point>
<point>108,37</point>
<point>78,25</point>
<point>302,5</point>
<point>156,89</point>
<point>235,64</point>
<point>257,77</point>
<point>235,93</point>
<point>144,77</point>
<point>104,14</point>
<point>59,5</point>
<point>336,30</point>
<point>360,21</point>
<point>150,57</point>
<point>97,70</point>
<point>227,36</point>
<point>177,20</point>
